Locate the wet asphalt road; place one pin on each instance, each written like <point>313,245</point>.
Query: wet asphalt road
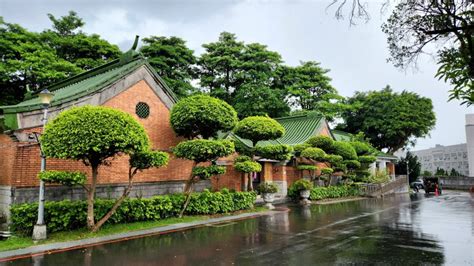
<point>398,230</point>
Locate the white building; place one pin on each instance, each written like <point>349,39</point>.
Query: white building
<point>445,157</point>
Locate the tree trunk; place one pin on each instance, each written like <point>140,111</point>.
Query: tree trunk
<point>90,198</point>
<point>119,201</point>
<point>250,182</point>
<point>188,190</point>
<point>243,186</point>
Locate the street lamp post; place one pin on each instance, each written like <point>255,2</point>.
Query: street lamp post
<point>39,230</point>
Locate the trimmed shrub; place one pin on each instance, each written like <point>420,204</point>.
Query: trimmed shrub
<point>306,167</point>
<point>327,171</point>
<point>333,159</point>
<point>352,164</point>
<point>276,152</point>
<point>367,159</point>
<point>298,148</point>
<point>267,187</point>
<point>303,184</point>
<point>248,167</point>
<point>149,159</point>
<point>318,193</point>
<point>316,154</point>
<point>202,150</point>
<point>322,142</point>
<point>257,128</point>
<point>361,148</point>
<point>343,149</point>
<point>206,172</point>
<point>242,158</point>
<point>63,177</point>
<point>202,115</point>
<point>70,215</point>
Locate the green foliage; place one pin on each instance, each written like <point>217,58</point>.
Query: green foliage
<point>302,184</point>
<point>63,177</point>
<point>257,128</point>
<point>298,148</point>
<point>69,215</point>
<point>206,172</point>
<point>389,119</point>
<point>255,100</point>
<point>427,173</point>
<point>316,154</point>
<point>367,159</point>
<point>308,167</point>
<point>327,171</point>
<point>267,187</point>
<point>93,134</point>
<point>202,115</point>
<point>441,172</point>
<point>445,26</point>
<point>242,158</point>
<point>148,159</point>
<point>248,167</point>
<point>343,149</point>
<point>202,150</point>
<point>414,166</point>
<point>453,172</point>
<point>280,152</point>
<point>379,177</point>
<point>352,164</point>
<point>318,193</point>
<point>172,60</point>
<point>362,148</point>
<point>333,159</point>
<point>323,142</point>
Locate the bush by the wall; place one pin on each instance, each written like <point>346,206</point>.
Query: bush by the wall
<point>70,215</point>
<point>318,193</point>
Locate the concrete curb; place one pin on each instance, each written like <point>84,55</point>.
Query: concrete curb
<point>76,244</point>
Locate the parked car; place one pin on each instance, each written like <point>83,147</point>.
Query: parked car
<point>417,185</point>
<point>432,184</point>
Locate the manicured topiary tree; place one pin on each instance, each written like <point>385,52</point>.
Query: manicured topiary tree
<point>258,128</point>
<point>94,135</point>
<point>246,166</point>
<point>200,118</point>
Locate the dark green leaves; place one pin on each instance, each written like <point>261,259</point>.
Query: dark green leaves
<point>63,177</point>
<point>148,159</point>
<point>206,172</point>
<point>257,128</point>
<point>279,152</point>
<point>202,150</point>
<point>248,167</point>
<point>202,115</point>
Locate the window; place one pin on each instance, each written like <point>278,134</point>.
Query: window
<point>142,110</point>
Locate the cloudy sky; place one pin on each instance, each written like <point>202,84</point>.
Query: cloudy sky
<point>298,30</point>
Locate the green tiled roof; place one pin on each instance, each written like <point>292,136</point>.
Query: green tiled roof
<point>88,82</point>
<point>298,129</point>
<point>341,135</point>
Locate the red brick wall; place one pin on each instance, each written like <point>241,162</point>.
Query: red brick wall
<point>231,179</point>
<point>27,160</point>
<point>7,157</point>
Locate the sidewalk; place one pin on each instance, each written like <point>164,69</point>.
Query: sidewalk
<point>63,246</point>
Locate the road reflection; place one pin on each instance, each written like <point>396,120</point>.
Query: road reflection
<point>395,230</point>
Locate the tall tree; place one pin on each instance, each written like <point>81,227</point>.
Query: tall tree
<point>242,75</point>
<point>415,25</point>
<point>173,61</point>
<point>83,50</point>
<point>26,61</point>
<point>414,166</point>
<point>390,120</point>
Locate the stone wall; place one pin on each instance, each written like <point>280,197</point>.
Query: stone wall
<point>11,195</point>
<point>457,182</point>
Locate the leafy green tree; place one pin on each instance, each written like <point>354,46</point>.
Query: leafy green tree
<point>453,172</point>
<point>416,26</point>
<point>199,118</point>
<point>173,61</point>
<point>243,75</point>
<point>258,128</point>
<point>427,173</point>
<point>414,166</point>
<point>26,61</point>
<point>100,134</point>
<point>71,44</point>
<point>390,120</point>
<point>441,172</point>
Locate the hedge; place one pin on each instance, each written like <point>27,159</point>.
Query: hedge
<point>318,193</point>
<point>69,215</point>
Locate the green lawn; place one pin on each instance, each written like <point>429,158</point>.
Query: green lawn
<point>17,242</point>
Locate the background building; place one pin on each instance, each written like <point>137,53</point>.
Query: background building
<point>445,157</point>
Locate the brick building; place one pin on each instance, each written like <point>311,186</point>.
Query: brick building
<point>131,85</point>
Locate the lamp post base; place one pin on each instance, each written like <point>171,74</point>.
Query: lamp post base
<point>39,232</point>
